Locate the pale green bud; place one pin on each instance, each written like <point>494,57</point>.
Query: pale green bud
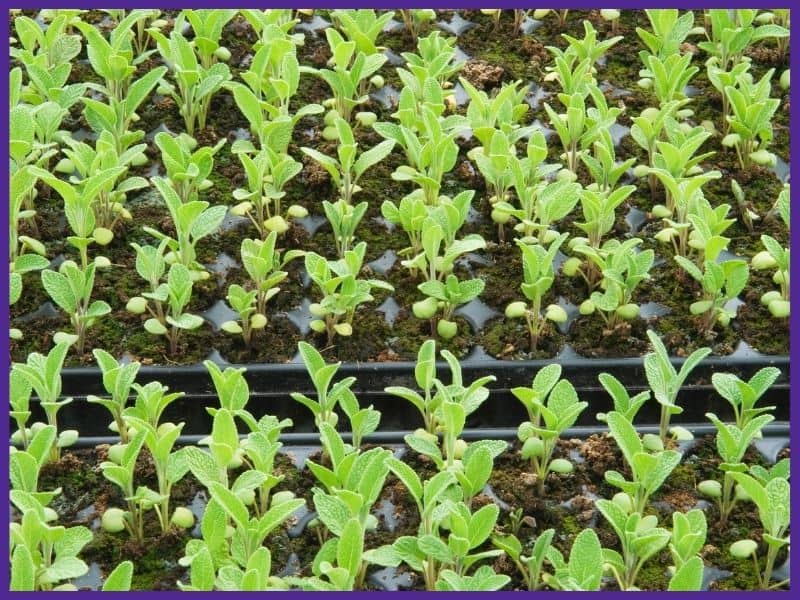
<point>763,260</point>
<point>344,329</point>
<point>779,309</point>
<point>279,498</point>
<point>231,327</point>
<point>623,501</point>
<point>459,448</point>
<point>628,311</point>
<point>223,54</point>
<point>743,549</point>
<point>555,313</point>
<point>137,305</point>
<point>586,308</point>
<point>377,81</point>
<point>710,488</point>
<point>295,211</point>
<point>425,309</point>
<point>571,266</point>
<point>317,325</point>
<point>113,520</point>
<point>561,465</point>
<point>446,329</point>
<point>516,310</point>
<point>366,119</point>
<point>183,518</point>
<point>103,236</point>
<point>258,321</point>
<point>276,223</point>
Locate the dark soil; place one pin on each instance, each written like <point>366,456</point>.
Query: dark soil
<point>567,506</point>
<point>494,58</point>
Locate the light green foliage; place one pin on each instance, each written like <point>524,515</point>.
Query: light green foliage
<point>43,375</point>
<point>669,77</point>
<point>553,407</point>
<point>603,165</point>
<point>348,169</point>
<point>640,538</point>
<point>187,166</point>
<point>87,161</point>
<point>721,282</point>
<point>648,470</point>
<point>530,567</point>
<point>541,202</point>
<point>688,577</point>
<point>267,173</point>
<point>503,112</point>
<point>79,204</point>
<point>243,302</point>
<point>193,221</point>
<point>670,30</point>
<point>25,465</point>
<point>773,502</point>
<point>732,443</point>
<point>721,79</point>
<point>122,474</point>
<point>624,404</point>
<point>447,410</point>
<point>342,291</point>
<point>114,60</point>
<point>437,239</point>
<point>117,381</point>
<point>688,537</point>
<point>344,219</point>
<point>175,295</point>
<point>436,58</point>
<point>264,265</point>
<point>207,26</point>
<point>449,295</point>
<point>262,21</point>
<point>47,56</point>
<point>43,556</point>
<point>733,31</point>
<point>196,82</point>
<point>585,568</point>
<point>119,580</point>
<point>424,374</point>
<point>323,408</point>
<point>118,115</point>
<point>71,289</point>
<point>750,120</point>
<point>743,395</point>
<point>538,273</point>
<point>429,143</point>
<point>238,561</point>
<point>362,26</point>
<point>776,257</point>
<point>665,382</point>
<point>351,67</point>
<point>622,269</point>
<point>444,561</point>
<point>415,19</point>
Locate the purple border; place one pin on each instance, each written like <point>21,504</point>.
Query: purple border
<point>439,4</point>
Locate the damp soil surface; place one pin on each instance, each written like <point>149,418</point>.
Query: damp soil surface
<point>386,329</point>
<point>568,506</point>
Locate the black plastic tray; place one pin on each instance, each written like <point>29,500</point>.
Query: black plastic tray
<point>271,384</point>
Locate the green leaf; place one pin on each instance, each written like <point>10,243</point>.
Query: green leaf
<point>689,577</point>
<point>119,580</point>
<point>586,560</point>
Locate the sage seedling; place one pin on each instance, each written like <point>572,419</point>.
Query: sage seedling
<point>665,382</point>
<point>117,381</point>
<point>342,291</point>
<point>640,538</point>
<point>772,501</point>
<point>71,289</point>
<point>538,273</point>
<point>732,443</point>
<point>553,407</point>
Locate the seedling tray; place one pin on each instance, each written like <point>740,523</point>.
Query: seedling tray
<point>271,386</point>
